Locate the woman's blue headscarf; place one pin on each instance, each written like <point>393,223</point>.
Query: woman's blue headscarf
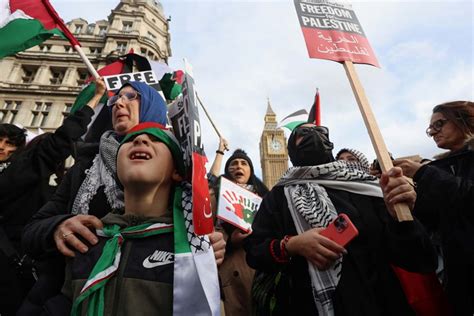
<point>152,106</point>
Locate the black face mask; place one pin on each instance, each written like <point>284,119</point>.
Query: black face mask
<point>314,149</point>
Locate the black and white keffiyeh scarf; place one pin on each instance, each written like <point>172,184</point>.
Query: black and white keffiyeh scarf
<point>4,166</point>
<point>101,173</point>
<point>311,207</point>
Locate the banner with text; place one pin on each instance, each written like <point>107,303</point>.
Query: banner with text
<point>184,117</point>
<point>115,82</point>
<point>237,205</point>
<point>332,31</point>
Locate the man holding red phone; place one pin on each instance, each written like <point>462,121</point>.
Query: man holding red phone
<point>324,277</point>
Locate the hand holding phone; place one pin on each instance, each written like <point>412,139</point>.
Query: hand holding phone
<point>341,230</point>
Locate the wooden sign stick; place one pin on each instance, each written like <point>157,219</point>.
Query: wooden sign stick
<point>402,210</point>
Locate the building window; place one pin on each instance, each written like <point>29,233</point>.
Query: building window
<point>57,75</point>
<point>67,110</point>
<point>9,110</point>
<point>67,48</point>
<point>29,73</point>
<point>40,114</point>
<point>90,29</point>
<point>127,26</point>
<point>81,76</point>
<point>143,51</point>
<point>78,28</point>
<point>45,48</point>
<point>151,55</point>
<point>121,47</point>
<point>151,36</point>
<point>95,50</point>
<point>102,30</point>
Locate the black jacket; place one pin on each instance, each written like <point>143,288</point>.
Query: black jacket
<point>38,242</point>
<point>445,205</point>
<point>38,233</point>
<point>24,188</point>
<point>24,184</point>
<point>368,285</point>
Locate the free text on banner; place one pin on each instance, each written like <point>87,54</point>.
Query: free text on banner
<point>332,31</point>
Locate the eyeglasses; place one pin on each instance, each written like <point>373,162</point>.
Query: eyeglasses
<point>127,97</point>
<point>304,130</point>
<point>436,127</point>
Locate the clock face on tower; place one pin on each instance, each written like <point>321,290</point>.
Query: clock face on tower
<point>276,145</point>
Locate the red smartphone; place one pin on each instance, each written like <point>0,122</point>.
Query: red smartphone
<point>341,230</point>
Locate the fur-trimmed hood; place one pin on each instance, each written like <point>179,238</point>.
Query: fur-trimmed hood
<point>469,145</point>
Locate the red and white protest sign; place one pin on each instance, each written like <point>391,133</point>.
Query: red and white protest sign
<point>332,31</point>
<point>184,116</point>
<point>237,205</point>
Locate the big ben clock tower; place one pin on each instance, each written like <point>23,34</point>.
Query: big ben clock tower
<point>273,152</point>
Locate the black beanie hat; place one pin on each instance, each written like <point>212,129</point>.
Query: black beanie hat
<point>238,153</point>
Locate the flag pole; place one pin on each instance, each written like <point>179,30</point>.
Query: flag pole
<point>86,60</point>
<point>402,211</point>
<point>74,42</point>
<point>317,110</point>
<point>209,117</point>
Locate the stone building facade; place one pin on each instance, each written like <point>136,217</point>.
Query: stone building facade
<point>39,86</point>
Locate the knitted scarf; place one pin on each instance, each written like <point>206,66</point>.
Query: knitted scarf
<point>194,288</point>
<point>101,173</point>
<point>311,207</point>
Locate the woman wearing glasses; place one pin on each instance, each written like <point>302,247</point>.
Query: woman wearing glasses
<point>445,202</point>
<point>90,189</point>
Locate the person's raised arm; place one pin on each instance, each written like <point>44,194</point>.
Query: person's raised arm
<point>216,165</point>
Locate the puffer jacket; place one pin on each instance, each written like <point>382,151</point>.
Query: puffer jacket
<point>143,284</point>
<point>445,205</point>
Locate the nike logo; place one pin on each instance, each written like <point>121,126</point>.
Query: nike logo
<point>158,258</point>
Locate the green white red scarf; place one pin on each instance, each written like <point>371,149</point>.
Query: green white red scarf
<point>109,261</point>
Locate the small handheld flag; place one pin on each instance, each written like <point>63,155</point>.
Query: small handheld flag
<point>315,113</point>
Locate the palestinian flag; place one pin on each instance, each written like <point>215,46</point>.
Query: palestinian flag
<point>171,81</point>
<point>315,113</point>
<point>294,119</point>
<point>26,23</point>
<point>171,84</point>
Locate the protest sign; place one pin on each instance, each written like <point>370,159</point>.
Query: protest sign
<point>332,31</point>
<point>184,116</point>
<point>237,205</point>
<point>115,82</point>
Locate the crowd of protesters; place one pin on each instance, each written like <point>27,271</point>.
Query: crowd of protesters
<point>79,248</point>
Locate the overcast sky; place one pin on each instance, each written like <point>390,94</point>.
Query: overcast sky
<point>244,52</point>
